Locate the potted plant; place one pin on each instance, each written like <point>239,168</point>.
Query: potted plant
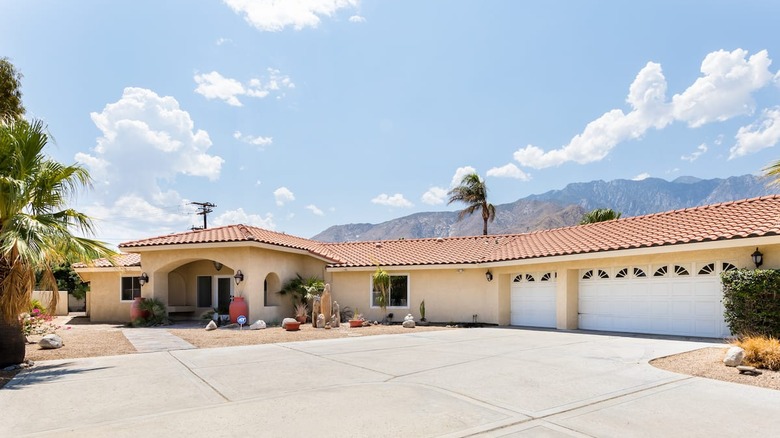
<point>301,312</point>
<point>357,319</point>
<point>422,321</point>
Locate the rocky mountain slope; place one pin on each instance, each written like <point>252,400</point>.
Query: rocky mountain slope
<point>560,208</point>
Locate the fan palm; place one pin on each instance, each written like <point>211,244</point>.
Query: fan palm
<point>599,215</point>
<point>36,227</point>
<point>473,192</point>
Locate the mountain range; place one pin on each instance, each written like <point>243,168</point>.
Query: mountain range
<point>561,208</point>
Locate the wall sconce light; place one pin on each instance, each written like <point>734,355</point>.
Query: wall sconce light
<point>239,277</point>
<point>489,276</point>
<point>758,258</point>
<point>143,279</point>
<point>217,265</point>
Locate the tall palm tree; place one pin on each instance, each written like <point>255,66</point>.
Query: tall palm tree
<point>36,227</point>
<point>473,192</point>
<point>599,215</point>
<point>773,171</point>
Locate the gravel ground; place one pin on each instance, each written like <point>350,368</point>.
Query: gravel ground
<point>708,362</point>
<point>84,339</point>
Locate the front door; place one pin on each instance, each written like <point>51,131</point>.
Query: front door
<point>224,287</point>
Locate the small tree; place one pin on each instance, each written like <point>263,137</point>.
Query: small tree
<point>382,288</point>
<point>751,301</point>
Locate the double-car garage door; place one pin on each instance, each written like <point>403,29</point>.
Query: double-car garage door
<point>674,299</point>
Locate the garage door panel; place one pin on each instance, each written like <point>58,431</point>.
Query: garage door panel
<point>678,306</point>
<point>533,304</point>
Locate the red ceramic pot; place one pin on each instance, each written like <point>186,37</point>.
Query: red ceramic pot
<point>237,308</point>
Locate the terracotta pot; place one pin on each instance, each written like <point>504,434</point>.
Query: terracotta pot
<point>135,309</point>
<point>292,326</point>
<point>356,323</point>
<point>238,307</point>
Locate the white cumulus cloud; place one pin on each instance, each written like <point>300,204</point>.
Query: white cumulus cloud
<point>316,211</point>
<point>357,19</point>
<point>509,171</point>
<point>434,196</point>
<point>724,90</point>
<point>283,195</point>
<point>215,86</point>
<point>641,176</point>
<point>262,142</point>
<point>396,200</point>
<point>275,15</point>
<point>759,135</point>
<point>461,172</point>
<point>693,156</point>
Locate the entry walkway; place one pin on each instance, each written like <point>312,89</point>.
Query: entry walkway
<point>146,340</point>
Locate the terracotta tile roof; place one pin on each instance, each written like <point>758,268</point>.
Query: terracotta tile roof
<point>228,233</point>
<point>121,260</point>
<point>729,220</point>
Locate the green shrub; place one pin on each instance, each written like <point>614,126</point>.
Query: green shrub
<point>751,299</point>
<point>155,311</point>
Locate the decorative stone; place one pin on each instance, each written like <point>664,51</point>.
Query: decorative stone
<point>286,320</point>
<point>336,314</point>
<point>750,371</point>
<point>211,326</point>
<point>409,323</point>
<point>258,325</point>
<point>326,305</point>
<point>315,311</point>
<point>320,321</point>
<point>334,321</point>
<point>51,342</point>
<point>409,317</point>
<point>734,356</point>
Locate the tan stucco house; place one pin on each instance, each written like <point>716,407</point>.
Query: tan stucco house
<point>653,274</point>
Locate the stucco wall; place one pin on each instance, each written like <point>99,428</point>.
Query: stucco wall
<point>450,296</point>
<point>104,302</point>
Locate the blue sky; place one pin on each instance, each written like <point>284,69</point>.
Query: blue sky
<point>297,115</point>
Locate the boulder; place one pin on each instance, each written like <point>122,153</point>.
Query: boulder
<point>258,325</point>
<point>734,357</point>
<point>50,342</point>
<point>320,321</point>
<point>409,323</point>
<point>211,326</point>
<point>409,317</point>
<point>286,320</point>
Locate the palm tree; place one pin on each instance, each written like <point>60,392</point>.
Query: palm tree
<point>599,215</point>
<point>773,170</point>
<point>36,227</point>
<point>473,192</point>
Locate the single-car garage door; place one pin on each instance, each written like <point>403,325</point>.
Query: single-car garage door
<point>675,299</point>
<point>533,300</point>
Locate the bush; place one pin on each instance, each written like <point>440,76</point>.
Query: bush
<point>751,299</point>
<point>761,352</point>
<point>155,311</point>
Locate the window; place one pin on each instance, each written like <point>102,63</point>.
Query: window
<point>707,269</point>
<point>661,272</point>
<point>518,278</point>
<point>204,291</point>
<point>603,274</point>
<point>131,288</point>
<point>728,267</point>
<point>529,277</point>
<point>639,273</point>
<point>587,275</point>
<point>547,277</point>
<point>623,273</point>
<point>398,295</point>
<point>679,270</point>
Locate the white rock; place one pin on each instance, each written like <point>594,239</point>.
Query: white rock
<point>50,342</point>
<point>258,325</point>
<point>409,323</point>
<point>409,317</point>
<point>286,320</point>
<point>734,356</point>
<point>211,326</point>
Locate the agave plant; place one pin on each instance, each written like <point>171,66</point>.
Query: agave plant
<point>301,310</point>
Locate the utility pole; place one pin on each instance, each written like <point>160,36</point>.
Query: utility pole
<point>204,208</point>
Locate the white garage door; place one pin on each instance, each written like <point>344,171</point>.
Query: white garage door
<point>680,300</point>
<point>533,300</point>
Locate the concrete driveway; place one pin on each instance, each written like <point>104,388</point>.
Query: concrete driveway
<point>484,382</point>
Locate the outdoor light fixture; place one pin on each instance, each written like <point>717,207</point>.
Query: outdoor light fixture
<point>239,277</point>
<point>143,279</point>
<point>217,265</point>
<point>489,276</point>
<point>758,258</point>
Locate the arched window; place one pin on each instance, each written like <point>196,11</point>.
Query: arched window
<point>707,269</point>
